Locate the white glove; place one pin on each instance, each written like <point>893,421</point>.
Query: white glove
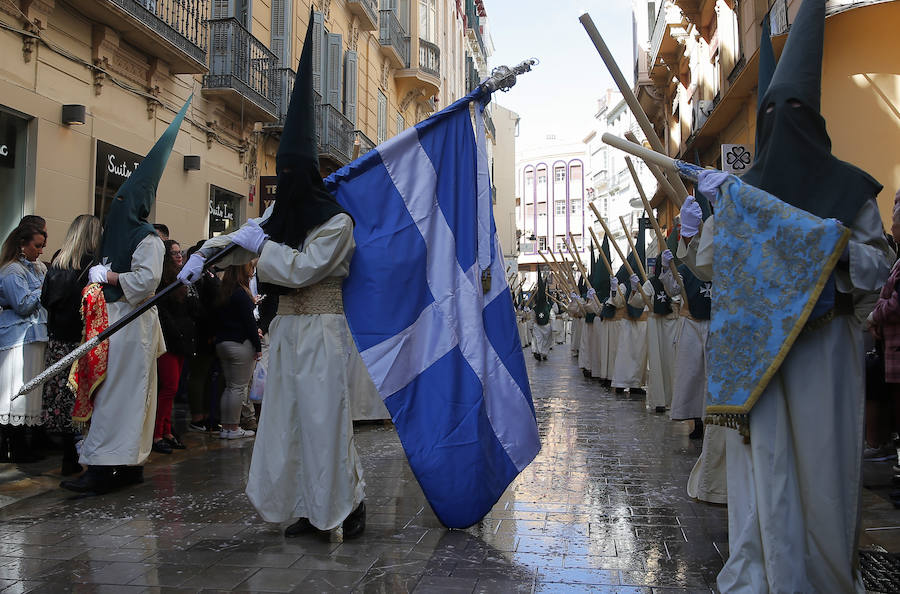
<point>97,274</point>
<point>590,293</point>
<point>613,286</point>
<point>691,216</point>
<point>192,269</point>
<point>251,237</point>
<point>667,258</point>
<point>635,282</point>
<point>574,296</point>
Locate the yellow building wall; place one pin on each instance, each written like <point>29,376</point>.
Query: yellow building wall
<point>861,93</point>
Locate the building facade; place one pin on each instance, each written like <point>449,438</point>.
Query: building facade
<point>550,202</point>
<point>503,178</point>
<point>126,66</point>
<point>696,69</point>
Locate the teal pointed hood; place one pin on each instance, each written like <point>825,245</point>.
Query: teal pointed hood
<point>766,69</point>
<point>126,224</point>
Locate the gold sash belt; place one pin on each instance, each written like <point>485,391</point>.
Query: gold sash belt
<point>324,297</point>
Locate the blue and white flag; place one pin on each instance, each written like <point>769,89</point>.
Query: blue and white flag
<point>444,355</point>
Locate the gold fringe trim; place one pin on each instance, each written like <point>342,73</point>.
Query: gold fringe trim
<point>738,422</point>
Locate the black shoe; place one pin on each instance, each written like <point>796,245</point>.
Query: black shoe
<point>537,356</point>
<point>70,463</point>
<point>301,526</point>
<point>162,447</point>
<point>697,433</point>
<point>126,476</point>
<point>586,373</point>
<point>175,442</point>
<point>660,409</point>
<point>620,390</point>
<point>355,523</point>
<point>97,479</point>
<point>200,426</point>
<point>637,392</point>
<point>545,357</point>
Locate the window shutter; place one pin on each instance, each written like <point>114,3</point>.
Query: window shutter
<point>333,72</point>
<point>281,31</point>
<point>222,9</point>
<point>350,85</point>
<point>318,35</point>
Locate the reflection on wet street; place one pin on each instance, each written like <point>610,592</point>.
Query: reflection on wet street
<point>602,509</point>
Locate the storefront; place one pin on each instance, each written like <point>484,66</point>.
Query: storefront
<point>224,210</point>
<point>114,166</point>
<point>13,178</point>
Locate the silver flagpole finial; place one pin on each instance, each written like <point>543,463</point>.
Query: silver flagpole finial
<point>503,77</point>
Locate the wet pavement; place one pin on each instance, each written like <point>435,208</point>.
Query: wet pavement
<point>603,508</point>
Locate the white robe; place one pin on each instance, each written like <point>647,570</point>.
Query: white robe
<point>630,370</point>
<point>794,490</point>
<point>121,429</point>
<point>689,385</point>
<point>304,461</point>
<point>542,338</point>
<point>587,330</point>
<point>609,338</point>
<point>365,402</point>
<point>661,334</point>
<point>558,324</point>
<point>708,480</point>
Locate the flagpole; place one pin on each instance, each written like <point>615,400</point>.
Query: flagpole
<point>82,349</point>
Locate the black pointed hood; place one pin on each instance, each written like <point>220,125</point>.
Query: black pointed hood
<point>793,152</point>
<point>126,224</point>
<point>541,302</point>
<point>302,202</point>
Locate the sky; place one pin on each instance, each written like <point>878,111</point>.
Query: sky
<point>559,96</point>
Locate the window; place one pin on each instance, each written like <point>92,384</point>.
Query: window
<point>542,243</point>
<point>576,239</point>
<point>576,205</point>
<point>224,211</point>
<point>13,165</point>
<point>382,117</point>
<point>401,123</point>
<point>542,178</point>
<point>428,20</point>
<point>559,174</point>
<point>560,244</point>
<point>560,207</point>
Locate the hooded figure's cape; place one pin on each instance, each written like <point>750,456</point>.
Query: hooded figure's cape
<point>541,302</point>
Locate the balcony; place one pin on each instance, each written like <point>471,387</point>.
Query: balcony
<point>241,72</point>
<point>473,27</point>
<point>283,79</point>
<point>426,75</point>
<point>336,136</point>
<point>365,143</point>
<point>172,30</point>
<point>366,12</point>
<point>393,39</point>
<point>669,28</point>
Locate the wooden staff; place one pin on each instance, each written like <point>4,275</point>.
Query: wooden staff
<point>581,267</point>
<point>556,270</point>
<point>659,175</point>
<point>637,257</point>
<point>533,291</point>
<point>565,266</point>
<point>627,94</point>
<point>660,238</point>
<point>612,240</point>
<point>602,255</point>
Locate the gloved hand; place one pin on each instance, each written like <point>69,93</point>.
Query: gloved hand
<point>667,258</point>
<point>691,217</point>
<point>709,182</point>
<point>251,237</point>
<point>613,286</point>
<point>635,282</point>
<point>590,293</point>
<point>192,269</point>
<point>97,274</point>
<point>574,296</point>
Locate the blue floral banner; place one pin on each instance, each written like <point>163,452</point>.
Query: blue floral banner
<point>772,261</point>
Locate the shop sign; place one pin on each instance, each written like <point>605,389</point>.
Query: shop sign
<point>268,187</point>
<point>114,163</point>
<point>8,148</point>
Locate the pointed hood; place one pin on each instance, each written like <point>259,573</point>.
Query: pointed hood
<point>766,62</point>
<point>541,302</point>
<point>793,151</point>
<point>126,224</point>
<point>622,275</point>
<point>302,202</point>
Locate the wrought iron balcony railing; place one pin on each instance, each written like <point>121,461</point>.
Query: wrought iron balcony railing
<point>367,10</point>
<point>429,58</point>
<point>335,132</point>
<point>391,34</point>
<point>283,79</point>
<point>366,144</point>
<point>240,62</point>
<point>473,23</point>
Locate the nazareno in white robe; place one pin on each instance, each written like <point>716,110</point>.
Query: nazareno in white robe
<point>365,402</point>
<point>121,428</point>
<point>608,339</point>
<point>585,344</point>
<point>661,334</point>
<point>576,312</point>
<point>304,461</point>
<point>794,490</point>
<point>558,323</point>
<point>542,337</point>
<point>631,349</point>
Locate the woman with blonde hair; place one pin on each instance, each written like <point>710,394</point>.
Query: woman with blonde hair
<point>23,337</point>
<point>61,297</point>
<point>237,345</point>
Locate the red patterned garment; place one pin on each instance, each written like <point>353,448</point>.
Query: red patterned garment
<point>89,371</point>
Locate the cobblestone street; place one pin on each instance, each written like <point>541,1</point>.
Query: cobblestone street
<point>603,508</point>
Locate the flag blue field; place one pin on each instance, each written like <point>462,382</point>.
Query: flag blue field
<point>444,355</point>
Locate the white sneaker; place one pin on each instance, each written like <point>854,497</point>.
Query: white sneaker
<point>236,433</point>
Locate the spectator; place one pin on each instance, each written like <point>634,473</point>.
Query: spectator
<point>179,333</point>
<point>61,296</point>
<point>162,231</point>
<point>200,366</point>
<point>237,344</point>
<point>23,337</point>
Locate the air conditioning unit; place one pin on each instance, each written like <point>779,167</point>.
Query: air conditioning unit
<point>702,109</point>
